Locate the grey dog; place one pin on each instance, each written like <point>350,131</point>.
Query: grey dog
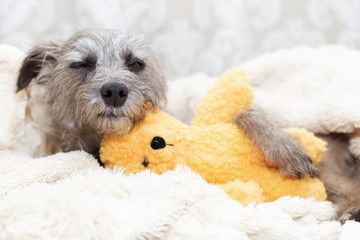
<point>95,82</point>
<point>102,81</point>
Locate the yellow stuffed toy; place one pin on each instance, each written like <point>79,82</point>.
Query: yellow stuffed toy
<point>212,146</point>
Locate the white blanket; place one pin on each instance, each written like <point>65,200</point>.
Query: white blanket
<point>68,196</point>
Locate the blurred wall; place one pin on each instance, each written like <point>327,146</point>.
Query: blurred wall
<point>190,35</point>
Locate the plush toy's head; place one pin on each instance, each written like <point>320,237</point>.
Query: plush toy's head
<point>150,145</point>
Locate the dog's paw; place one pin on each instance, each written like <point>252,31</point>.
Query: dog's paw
<point>298,165</point>
<point>355,216</point>
<point>291,159</point>
<point>351,213</point>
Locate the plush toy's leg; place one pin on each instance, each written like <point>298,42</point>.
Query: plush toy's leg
<point>244,193</point>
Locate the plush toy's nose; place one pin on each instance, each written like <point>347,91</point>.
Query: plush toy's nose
<point>145,162</point>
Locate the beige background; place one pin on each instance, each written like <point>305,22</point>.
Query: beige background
<point>190,35</point>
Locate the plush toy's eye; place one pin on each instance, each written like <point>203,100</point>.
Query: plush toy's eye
<point>158,143</point>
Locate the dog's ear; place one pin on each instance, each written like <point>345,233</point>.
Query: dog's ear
<point>40,61</point>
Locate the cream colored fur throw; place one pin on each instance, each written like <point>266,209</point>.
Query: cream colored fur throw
<point>67,196</point>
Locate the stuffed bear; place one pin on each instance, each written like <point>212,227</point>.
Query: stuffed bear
<point>213,147</point>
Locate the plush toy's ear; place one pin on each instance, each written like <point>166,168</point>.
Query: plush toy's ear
<point>40,61</point>
<point>229,96</point>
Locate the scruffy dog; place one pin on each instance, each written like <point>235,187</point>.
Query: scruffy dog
<point>102,81</point>
<point>95,82</point>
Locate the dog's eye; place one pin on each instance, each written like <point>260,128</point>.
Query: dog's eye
<point>88,65</point>
<point>136,66</point>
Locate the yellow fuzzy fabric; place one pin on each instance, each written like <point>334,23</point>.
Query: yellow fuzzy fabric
<point>213,147</point>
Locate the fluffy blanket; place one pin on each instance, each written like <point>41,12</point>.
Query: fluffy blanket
<point>68,195</point>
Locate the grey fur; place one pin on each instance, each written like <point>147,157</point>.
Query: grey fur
<point>340,172</point>
<point>281,149</point>
<point>71,95</point>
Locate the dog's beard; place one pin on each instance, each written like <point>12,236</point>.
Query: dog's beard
<point>118,124</point>
<point>93,112</point>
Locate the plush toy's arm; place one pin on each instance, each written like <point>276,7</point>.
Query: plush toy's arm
<point>229,96</point>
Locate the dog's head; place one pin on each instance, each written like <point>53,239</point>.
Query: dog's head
<point>99,78</point>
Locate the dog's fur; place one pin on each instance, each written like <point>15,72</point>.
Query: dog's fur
<point>70,109</point>
<point>340,172</point>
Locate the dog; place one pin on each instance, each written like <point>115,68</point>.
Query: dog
<point>97,81</point>
<point>102,81</point>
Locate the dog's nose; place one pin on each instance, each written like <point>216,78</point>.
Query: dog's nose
<point>114,94</point>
